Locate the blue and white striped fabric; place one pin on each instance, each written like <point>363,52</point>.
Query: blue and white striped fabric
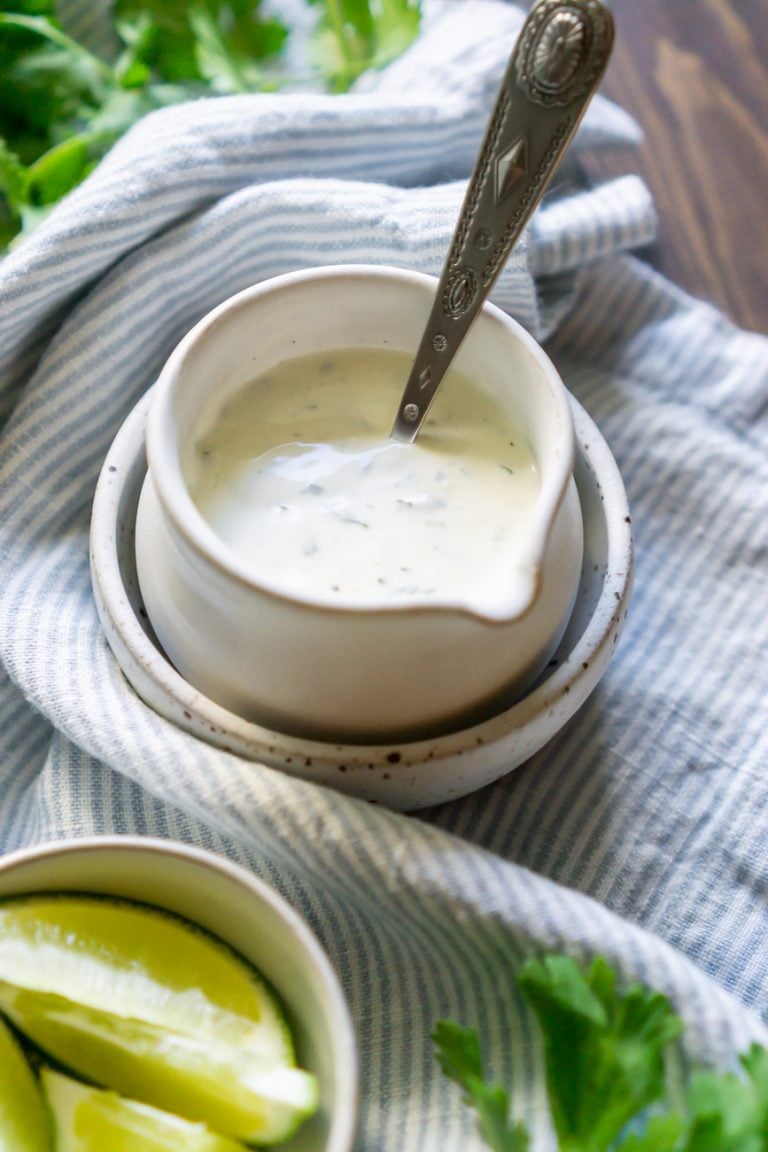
<point>641,830</point>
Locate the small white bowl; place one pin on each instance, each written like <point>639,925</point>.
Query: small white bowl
<point>315,665</point>
<point>246,914</point>
<point>405,775</point>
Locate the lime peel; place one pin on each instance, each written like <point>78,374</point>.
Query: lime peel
<point>23,1119</point>
<point>88,1119</point>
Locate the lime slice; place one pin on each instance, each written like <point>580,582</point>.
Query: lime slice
<point>23,1118</point>
<point>91,1120</point>
<point>140,963</point>
<point>196,1077</point>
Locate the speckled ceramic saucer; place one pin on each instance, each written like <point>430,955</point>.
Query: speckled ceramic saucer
<point>404,775</point>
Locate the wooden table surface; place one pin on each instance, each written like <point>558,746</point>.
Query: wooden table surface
<point>694,73</point>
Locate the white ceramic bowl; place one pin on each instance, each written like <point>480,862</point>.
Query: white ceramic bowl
<point>403,774</point>
<point>250,917</point>
<point>318,667</point>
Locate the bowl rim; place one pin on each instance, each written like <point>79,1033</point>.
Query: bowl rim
<point>193,532</point>
<point>344,1119</point>
<point>426,771</point>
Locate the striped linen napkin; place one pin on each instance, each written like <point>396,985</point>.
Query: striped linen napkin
<point>640,831</point>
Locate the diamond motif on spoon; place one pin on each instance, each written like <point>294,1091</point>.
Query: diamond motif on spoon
<point>511,166</point>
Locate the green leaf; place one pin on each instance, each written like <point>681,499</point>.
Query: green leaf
<point>12,174</point>
<point>353,35</point>
<point>57,171</point>
<point>131,70</point>
<point>92,70</point>
<point>214,42</point>
<point>215,62</point>
<point>661,1134</point>
<point>49,84</point>
<point>231,41</point>
<point>12,181</point>
<point>159,35</point>
<point>604,1050</point>
<point>724,1114</point>
<point>458,1052</point>
<point>122,108</point>
<point>397,26</point>
<point>29,7</point>
<point>62,106</point>
<point>755,1064</point>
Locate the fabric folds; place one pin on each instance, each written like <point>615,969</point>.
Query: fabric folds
<point>640,831</point>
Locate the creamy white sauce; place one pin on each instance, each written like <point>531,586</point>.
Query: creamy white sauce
<point>298,476</point>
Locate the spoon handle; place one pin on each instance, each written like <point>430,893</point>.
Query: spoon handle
<point>555,68</point>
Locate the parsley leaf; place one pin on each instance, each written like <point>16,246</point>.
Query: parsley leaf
<point>458,1052</point>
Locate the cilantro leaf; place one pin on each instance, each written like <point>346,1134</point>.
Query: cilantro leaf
<point>216,43</point>
<point>29,7</point>
<point>604,1049</point>
<point>62,107</point>
<point>396,27</point>
<point>604,1052</point>
<point>57,171</point>
<point>12,180</point>
<point>227,57</point>
<point>137,36</point>
<point>661,1134</point>
<point>354,35</point>
<point>755,1064</point>
<point>49,84</point>
<point>159,36</point>
<point>458,1053</point>
<point>724,1114</point>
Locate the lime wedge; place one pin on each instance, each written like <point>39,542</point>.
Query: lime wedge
<point>23,1118</point>
<point>196,1077</point>
<point>140,963</point>
<point>91,1120</point>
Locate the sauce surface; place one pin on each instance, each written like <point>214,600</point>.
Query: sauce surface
<point>298,476</point>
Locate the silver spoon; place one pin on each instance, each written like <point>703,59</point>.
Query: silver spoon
<point>555,69</point>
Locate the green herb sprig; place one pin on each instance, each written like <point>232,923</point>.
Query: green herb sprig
<point>62,107</point>
<point>355,35</point>
<point>605,1056</point>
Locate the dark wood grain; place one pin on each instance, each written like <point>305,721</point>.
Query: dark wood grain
<point>694,73</point>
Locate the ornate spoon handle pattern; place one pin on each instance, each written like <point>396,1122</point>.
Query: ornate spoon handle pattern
<point>555,68</point>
